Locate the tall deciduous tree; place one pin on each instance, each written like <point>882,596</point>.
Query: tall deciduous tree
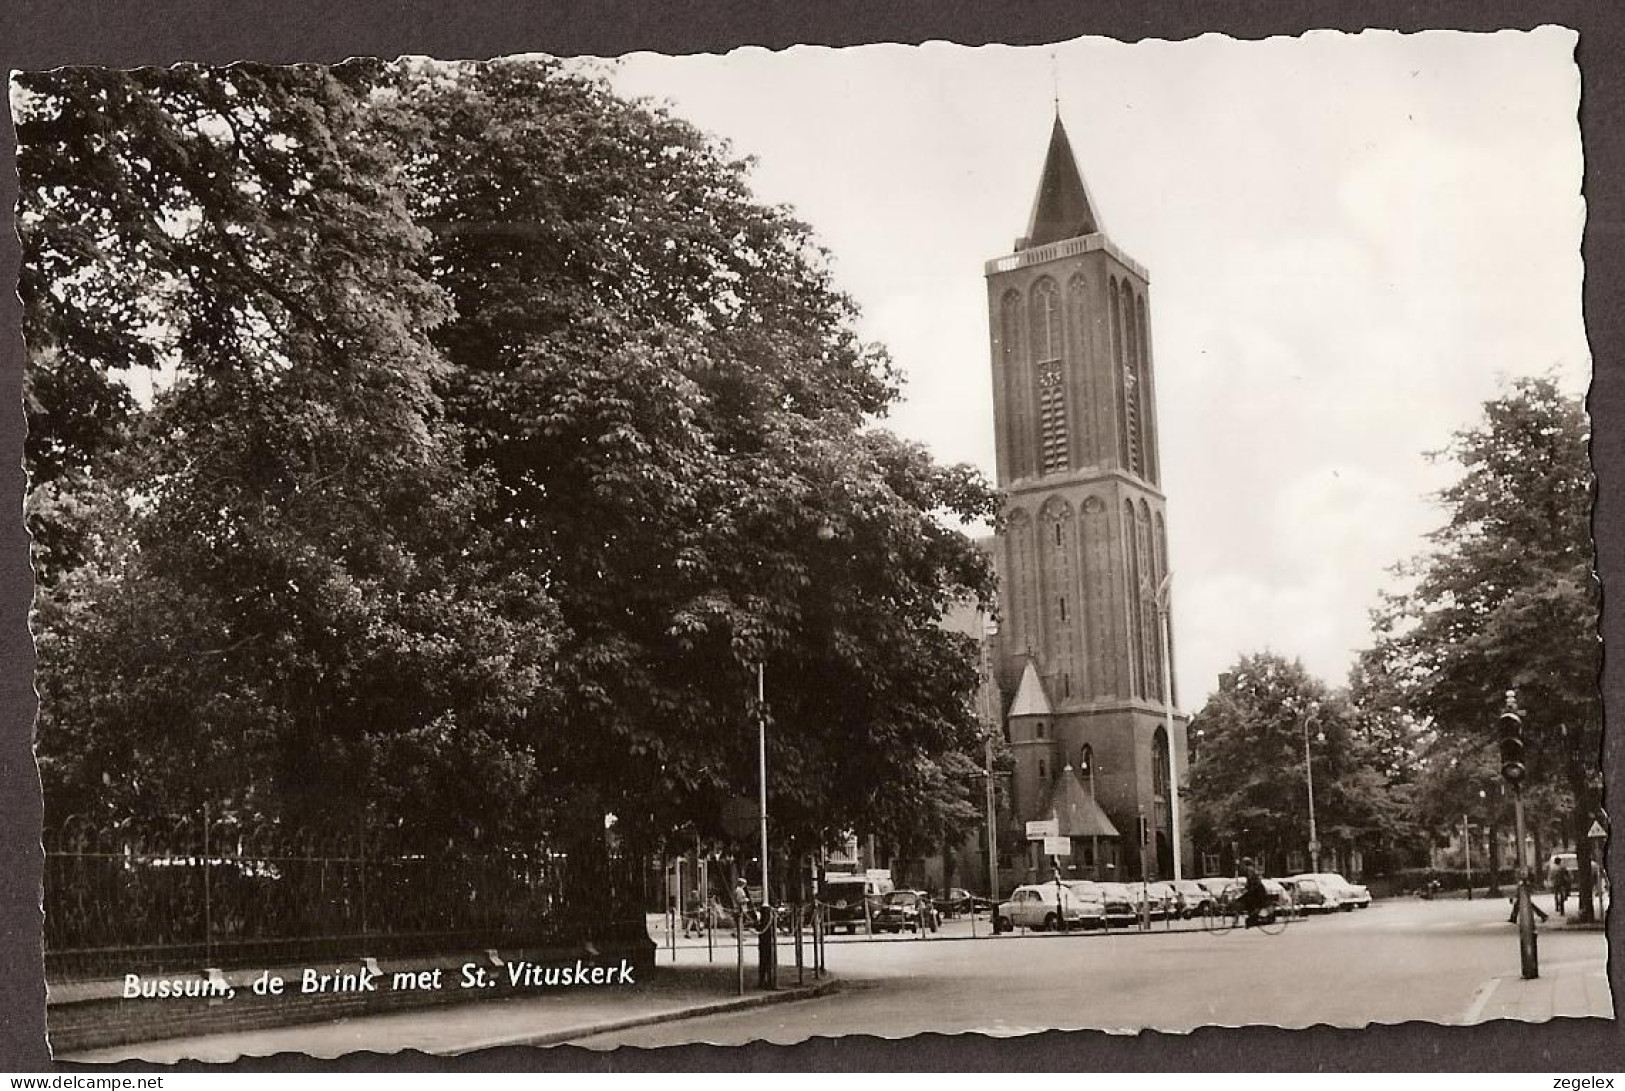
<point>274,596</point>
<point>668,389</point>
<point>500,435</point>
<point>1250,783</point>
<point>1507,599</point>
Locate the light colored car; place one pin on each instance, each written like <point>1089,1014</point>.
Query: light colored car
<point>1042,906</point>
<point>1194,898</point>
<point>1311,894</point>
<point>1122,908</point>
<point>1164,899</point>
<point>1349,895</point>
<point>1093,900</point>
<point>1221,887</point>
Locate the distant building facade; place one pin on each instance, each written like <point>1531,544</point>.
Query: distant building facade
<point>1078,658</point>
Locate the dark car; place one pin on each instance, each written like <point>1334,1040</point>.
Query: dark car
<point>959,901</point>
<point>850,901</point>
<point>905,911</point>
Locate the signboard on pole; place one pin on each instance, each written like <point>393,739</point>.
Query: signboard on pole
<point>1057,846</point>
<point>1043,827</point>
<point>1596,832</point>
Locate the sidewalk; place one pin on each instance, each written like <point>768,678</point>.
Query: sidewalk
<point>678,991</point>
<point>1573,990</point>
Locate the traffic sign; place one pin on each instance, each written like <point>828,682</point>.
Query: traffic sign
<point>1043,827</point>
<point>1597,832</point>
<point>1057,846</point>
<point>1314,847</point>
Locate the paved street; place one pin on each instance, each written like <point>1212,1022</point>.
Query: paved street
<point>1443,961</point>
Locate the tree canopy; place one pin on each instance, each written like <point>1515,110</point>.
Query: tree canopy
<point>1506,598</point>
<point>498,434</point>
<point>1249,780</point>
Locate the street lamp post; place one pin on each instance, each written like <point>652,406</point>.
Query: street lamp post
<point>990,724</point>
<point>1467,849</point>
<point>1168,724</point>
<point>1309,776</point>
<point>761,770</point>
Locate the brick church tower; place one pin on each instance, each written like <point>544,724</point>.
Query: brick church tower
<point>1083,552</point>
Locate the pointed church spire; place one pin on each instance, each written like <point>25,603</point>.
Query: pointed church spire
<point>1062,209</point>
<point>1031,700</point>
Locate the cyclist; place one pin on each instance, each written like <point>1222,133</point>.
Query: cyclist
<point>1254,898</point>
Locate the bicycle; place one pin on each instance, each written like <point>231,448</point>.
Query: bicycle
<point>1272,919</point>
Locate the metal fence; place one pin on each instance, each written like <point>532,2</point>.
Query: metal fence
<point>194,893</point>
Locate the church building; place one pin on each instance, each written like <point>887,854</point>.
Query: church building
<point>1082,559</point>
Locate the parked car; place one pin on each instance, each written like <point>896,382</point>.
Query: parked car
<point>1151,899</point>
<point>1194,898</point>
<point>1221,887</point>
<point>959,901</point>
<point>1349,895</point>
<point>849,900</point>
<point>905,911</point>
<point>1564,861</point>
<point>1121,905</point>
<point>1310,894</point>
<point>1094,899</point>
<point>1173,902</point>
<point>1040,907</point>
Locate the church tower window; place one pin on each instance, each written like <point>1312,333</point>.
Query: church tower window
<point>1047,341</point>
<point>1159,763</point>
<point>1133,381</point>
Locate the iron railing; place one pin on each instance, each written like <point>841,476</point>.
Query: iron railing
<point>193,893</point>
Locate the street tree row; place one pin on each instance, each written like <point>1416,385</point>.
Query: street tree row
<point>495,433</point>
<point>1503,598</point>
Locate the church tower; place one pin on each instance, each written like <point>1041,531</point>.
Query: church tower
<point>1084,549</point>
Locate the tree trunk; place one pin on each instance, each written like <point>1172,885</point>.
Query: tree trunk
<point>1495,859</point>
<point>1580,821</point>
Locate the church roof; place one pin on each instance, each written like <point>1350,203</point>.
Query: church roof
<point>1031,700</point>
<point>1062,209</point>
<point>1075,811</point>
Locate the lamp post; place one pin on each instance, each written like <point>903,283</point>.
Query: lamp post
<point>990,724</point>
<point>1168,724</point>
<point>761,770</point>
<point>1467,850</point>
<point>1309,776</point>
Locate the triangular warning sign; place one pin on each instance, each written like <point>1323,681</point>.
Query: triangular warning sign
<point>1596,830</point>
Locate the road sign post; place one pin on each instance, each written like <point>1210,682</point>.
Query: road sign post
<point>1055,848</point>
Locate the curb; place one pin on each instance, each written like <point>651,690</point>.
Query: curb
<point>718,1007</point>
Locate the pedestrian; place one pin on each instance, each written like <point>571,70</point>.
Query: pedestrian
<point>1560,891</point>
<point>693,917</point>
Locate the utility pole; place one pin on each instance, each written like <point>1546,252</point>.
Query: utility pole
<point>761,769</point>
<point>1309,774</point>
<point>1467,847</point>
<point>990,723</point>
<point>1163,594</point>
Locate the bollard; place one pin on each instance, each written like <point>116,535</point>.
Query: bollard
<point>799,956</point>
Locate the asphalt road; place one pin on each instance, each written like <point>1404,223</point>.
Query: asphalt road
<point>1441,961</point>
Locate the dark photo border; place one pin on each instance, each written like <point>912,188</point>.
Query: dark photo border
<point>36,34</point>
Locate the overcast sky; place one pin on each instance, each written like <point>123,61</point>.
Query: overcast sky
<point>1352,241</point>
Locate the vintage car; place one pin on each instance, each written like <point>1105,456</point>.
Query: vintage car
<point>1043,906</point>
<point>905,911</point>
